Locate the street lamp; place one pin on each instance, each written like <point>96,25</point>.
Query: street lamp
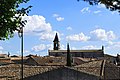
<point>20,33</point>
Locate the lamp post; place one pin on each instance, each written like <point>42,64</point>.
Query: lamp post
<point>21,36</point>
<point>22,54</point>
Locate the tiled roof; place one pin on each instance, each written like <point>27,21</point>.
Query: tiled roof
<point>14,70</point>
<point>18,58</point>
<point>90,67</point>
<point>79,60</point>
<point>109,71</point>
<point>3,55</point>
<point>49,60</point>
<point>93,68</point>
<point>5,60</point>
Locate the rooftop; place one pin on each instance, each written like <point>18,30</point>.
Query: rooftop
<point>92,68</point>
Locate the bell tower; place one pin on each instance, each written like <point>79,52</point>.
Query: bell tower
<point>56,45</point>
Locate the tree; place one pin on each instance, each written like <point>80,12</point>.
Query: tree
<point>112,5</point>
<point>11,17</point>
<point>69,60</point>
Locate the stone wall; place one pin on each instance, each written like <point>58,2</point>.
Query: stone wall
<point>77,53</point>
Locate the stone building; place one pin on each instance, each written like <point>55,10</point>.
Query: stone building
<point>95,53</point>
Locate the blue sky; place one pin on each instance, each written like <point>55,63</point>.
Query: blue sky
<point>77,23</point>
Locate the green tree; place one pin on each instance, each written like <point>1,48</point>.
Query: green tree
<point>11,17</point>
<point>112,5</point>
<point>69,59</point>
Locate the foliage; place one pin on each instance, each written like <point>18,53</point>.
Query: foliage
<point>112,5</point>
<point>69,60</point>
<point>11,17</point>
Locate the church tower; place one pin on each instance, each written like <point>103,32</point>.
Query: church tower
<point>56,45</point>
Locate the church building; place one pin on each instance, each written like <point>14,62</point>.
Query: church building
<point>93,53</point>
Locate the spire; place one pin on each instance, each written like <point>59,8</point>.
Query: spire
<point>56,38</point>
<point>56,45</point>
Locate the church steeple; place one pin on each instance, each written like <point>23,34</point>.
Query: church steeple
<point>56,43</point>
<point>56,38</point>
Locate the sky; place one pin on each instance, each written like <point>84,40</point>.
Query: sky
<point>81,25</point>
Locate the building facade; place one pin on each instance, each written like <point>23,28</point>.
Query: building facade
<point>94,53</point>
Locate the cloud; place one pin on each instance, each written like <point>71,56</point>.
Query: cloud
<point>48,35</point>
<point>73,48</point>
<point>96,12</point>
<point>63,47</point>
<point>113,44</point>
<point>58,17</point>
<point>78,37</point>
<point>112,48</point>
<point>24,51</point>
<point>103,35</point>
<point>50,46</point>
<point>85,10</point>
<point>69,28</point>
<point>55,15</point>
<point>40,47</point>
<point>97,34</point>
<point>36,23</point>
<point>90,47</point>
<point>1,48</point>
